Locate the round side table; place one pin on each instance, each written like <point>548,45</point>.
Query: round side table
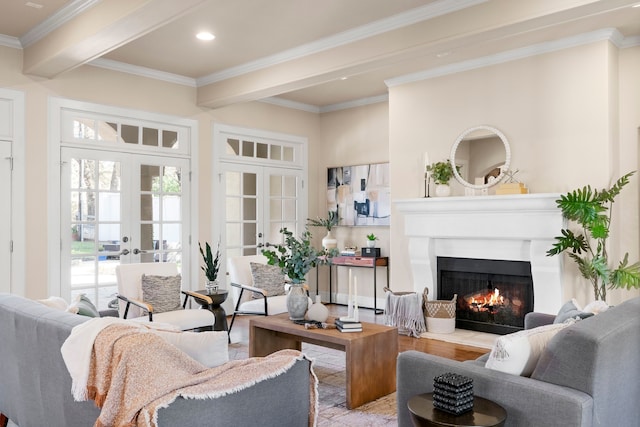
<point>217,297</point>
<point>485,413</point>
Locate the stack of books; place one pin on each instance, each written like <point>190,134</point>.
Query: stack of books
<point>512,188</point>
<point>348,326</point>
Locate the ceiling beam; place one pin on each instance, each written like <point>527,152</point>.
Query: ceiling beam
<point>99,30</point>
<point>457,30</point>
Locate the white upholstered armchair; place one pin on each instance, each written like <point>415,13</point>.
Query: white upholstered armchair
<point>162,286</point>
<point>245,290</point>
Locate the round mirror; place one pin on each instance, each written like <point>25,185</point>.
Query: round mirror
<point>484,156</point>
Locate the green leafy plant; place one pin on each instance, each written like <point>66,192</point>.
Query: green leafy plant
<point>591,210</point>
<point>296,256</point>
<point>211,262</point>
<point>328,223</point>
<point>372,237</point>
<point>442,172</point>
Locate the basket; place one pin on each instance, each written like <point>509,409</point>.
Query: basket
<point>440,314</point>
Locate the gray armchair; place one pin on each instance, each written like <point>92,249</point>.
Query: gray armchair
<point>588,375</point>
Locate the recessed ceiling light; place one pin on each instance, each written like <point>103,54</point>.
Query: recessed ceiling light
<point>33,5</point>
<point>636,5</point>
<point>344,78</point>
<point>205,35</point>
<point>442,54</point>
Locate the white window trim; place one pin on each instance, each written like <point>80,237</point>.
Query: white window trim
<point>55,110</point>
<point>18,190</point>
<point>220,132</point>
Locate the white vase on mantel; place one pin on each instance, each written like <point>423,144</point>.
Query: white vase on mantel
<point>443,190</point>
<point>329,242</point>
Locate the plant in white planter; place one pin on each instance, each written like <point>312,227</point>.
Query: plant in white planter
<point>442,172</point>
<point>328,241</point>
<point>371,240</point>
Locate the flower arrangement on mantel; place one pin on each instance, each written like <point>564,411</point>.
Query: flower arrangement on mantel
<point>591,210</point>
<point>296,256</point>
<point>442,172</point>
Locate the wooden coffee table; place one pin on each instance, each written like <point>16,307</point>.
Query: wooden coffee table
<point>370,354</point>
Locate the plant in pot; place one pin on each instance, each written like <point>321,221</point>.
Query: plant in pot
<point>371,240</point>
<point>442,172</point>
<point>328,241</point>
<point>211,266</point>
<point>591,210</point>
<point>295,257</point>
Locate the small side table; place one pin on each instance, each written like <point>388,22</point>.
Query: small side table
<point>485,413</point>
<point>217,297</point>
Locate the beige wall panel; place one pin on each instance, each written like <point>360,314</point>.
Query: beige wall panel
<point>556,110</point>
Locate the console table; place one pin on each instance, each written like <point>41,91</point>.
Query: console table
<point>357,262</point>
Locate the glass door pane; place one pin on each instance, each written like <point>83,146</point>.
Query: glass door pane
<point>92,216</point>
<point>241,211</point>
<point>119,208</point>
<point>283,195</point>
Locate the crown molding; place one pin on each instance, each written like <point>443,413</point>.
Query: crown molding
<point>424,13</point>
<point>62,16</point>
<point>281,102</point>
<point>355,103</point>
<point>9,41</point>
<point>610,34</point>
<point>630,42</point>
<point>142,71</point>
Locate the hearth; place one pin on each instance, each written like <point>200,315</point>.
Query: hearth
<point>492,295</point>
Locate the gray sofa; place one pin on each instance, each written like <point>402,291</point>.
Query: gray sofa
<point>35,386</point>
<point>588,375</point>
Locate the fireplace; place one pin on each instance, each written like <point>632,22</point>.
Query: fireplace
<point>505,227</point>
<point>492,295</point>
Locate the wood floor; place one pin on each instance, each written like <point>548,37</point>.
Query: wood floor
<point>240,332</point>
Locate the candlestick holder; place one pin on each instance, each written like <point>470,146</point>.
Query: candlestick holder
<point>427,180</point>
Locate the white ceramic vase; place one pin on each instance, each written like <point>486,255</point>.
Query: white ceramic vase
<point>371,243</point>
<point>443,190</point>
<point>329,242</point>
<point>317,311</point>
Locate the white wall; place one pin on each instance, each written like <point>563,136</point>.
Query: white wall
<point>560,113</point>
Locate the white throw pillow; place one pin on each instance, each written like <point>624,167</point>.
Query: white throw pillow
<point>210,348</point>
<point>518,353</point>
<point>59,304</point>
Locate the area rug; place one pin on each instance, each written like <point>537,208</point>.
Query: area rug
<point>464,337</point>
<point>329,366</point>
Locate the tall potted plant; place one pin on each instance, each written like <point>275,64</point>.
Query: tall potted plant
<point>591,210</point>
<point>211,266</point>
<point>295,257</point>
<point>328,241</point>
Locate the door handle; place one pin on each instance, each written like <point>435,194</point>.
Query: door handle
<point>124,252</point>
<point>137,251</point>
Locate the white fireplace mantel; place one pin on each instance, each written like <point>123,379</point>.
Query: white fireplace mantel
<point>506,227</point>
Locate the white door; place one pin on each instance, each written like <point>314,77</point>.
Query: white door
<point>257,203</point>
<point>5,216</point>
<point>120,208</point>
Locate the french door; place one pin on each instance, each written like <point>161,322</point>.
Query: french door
<point>5,217</point>
<point>119,208</point>
<point>258,202</point>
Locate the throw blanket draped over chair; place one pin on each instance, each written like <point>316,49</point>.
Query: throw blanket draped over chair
<point>123,379</point>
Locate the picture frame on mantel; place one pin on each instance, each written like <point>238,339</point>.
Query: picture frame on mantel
<point>360,194</point>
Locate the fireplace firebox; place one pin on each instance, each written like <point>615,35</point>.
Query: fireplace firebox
<point>492,295</point>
